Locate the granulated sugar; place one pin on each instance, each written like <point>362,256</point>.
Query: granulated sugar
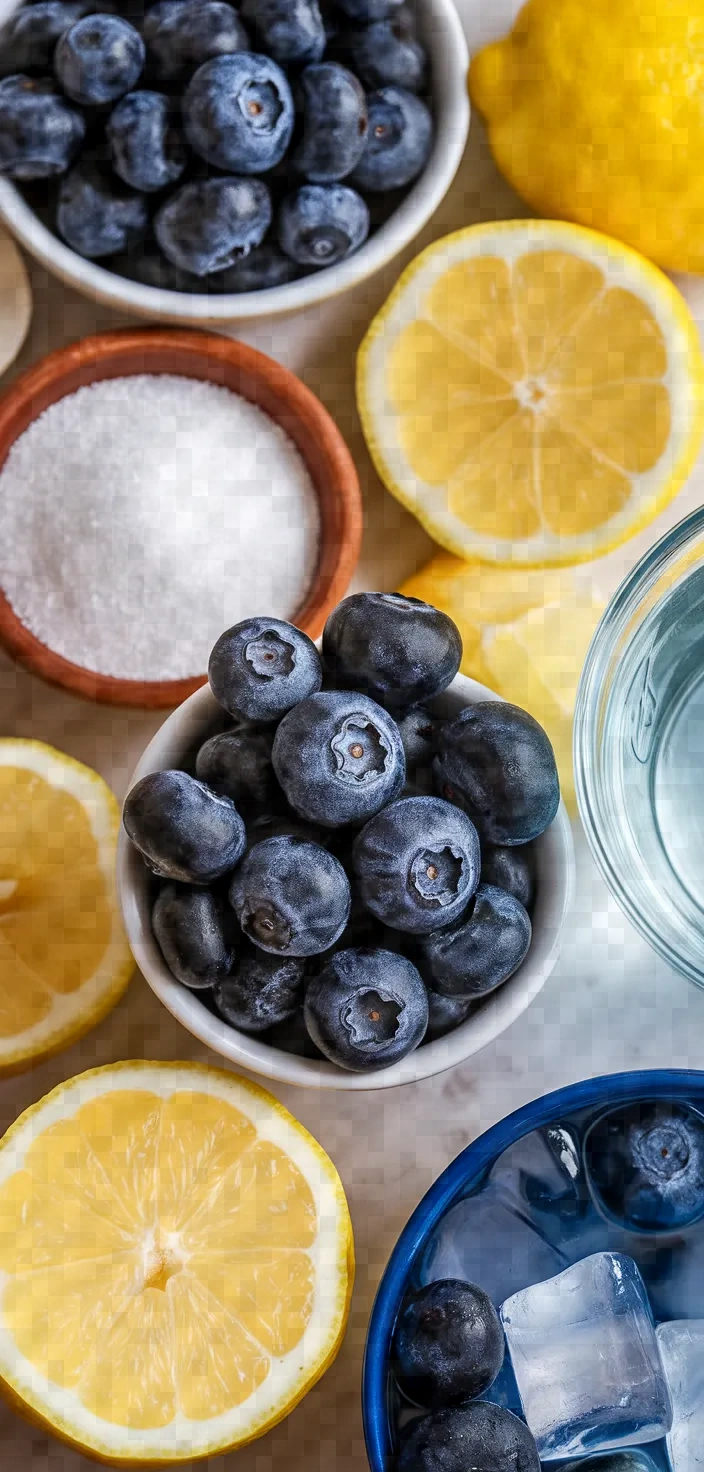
<point>139,517</point>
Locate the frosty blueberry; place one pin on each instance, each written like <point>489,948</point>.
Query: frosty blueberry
<point>388,53</point>
<point>146,147</point>
<point>238,765</point>
<point>645,1164</point>
<point>208,224</point>
<point>291,897</point>
<point>182,829</point>
<point>98,59</point>
<point>400,650</point>
<point>448,1344</point>
<point>481,1436</point>
<point>367,1009</point>
<point>97,215</point>
<point>238,113</point>
<point>512,869</point>
<point>262,667</point>
<point>183,34</point>
<point>39,133</point>
<point>195,934</point>
<point>338,758</point>
<point>28,38</point>
<point>417,864</point>
<point>399,140</point>
<point>334,123</point>
<point>496,762</point>
<point>418,729</point>
<point>291,31</point>
<point>472,957</point>
<point>321,224</point>
<point>260,992</point>
<point>445,1014</point>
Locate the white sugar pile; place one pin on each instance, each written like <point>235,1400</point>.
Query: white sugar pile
<point>139,517</point>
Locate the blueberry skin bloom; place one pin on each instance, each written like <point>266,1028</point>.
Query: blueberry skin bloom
<point>147,150</point>
<point>98,59</point>
<point>237,764</point>
<point>291,897</point>
<point>448,1344</point>
<point>182,829</point>
<point>497,763</point>
<point>321,224</point>
<point>334,123</point>
<point>512,869</point>
<point>472,958</point>
<point>399,140</point>
<point>418,729</point>
<point>290,31</point>
<point>339,758</point>
<point>205,226</point>
<point>416,865</point>
<point>481,1435</point>
<point>262,667</point>
<point>645,1165</point>
<point>28,39</point>
<point>261,270</point>
<point>238,113</point>
<point>400,650</point>
<point>388,54</point>
<point>261,992</point>
<point>194,934</point>
<point>183,34</point>
<point>97,215</point>
<point>39,133</point>
<point>367,1009</point>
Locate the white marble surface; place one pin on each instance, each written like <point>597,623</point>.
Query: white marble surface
<point>610,1004</point>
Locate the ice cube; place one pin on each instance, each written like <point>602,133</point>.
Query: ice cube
<point>485,1239</point>
<point>586,1359</point>
<point>682,1350</point>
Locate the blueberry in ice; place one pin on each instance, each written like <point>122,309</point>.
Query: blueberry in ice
<point>321,224</point>
<point>363,11</point>
<point>238,765</point>
<point>367,1009</point>
<point>400,650</point>
<point>291,31</point>
<point>482,1437</point>
<point>417,864</point>
<point>497,763</point>
<point>291,897</point>
<point>338,757</point>
<point>182,34</point>
<point>260,270</point>
<point>399,140</point>
<point>97,215</point>
<point>444,1015</point>
<point>418,729</point>
<point>334,123</point>
<point>40,133</point>
<point>630,1461</point>
<point>485,947</point>
<point>238,113</point>
<point>195,934</point>
<point>28,38</point>
<point>645,1165</point>
<point>207,224</point>
<point>182,829</point>
<point>388,53</point>
<point>260,992</point>
<point>292,1036</point>
<point>262,667</point>
<point>146,146</point>
<point>98,59</point>
<point>512,869</point>
<point>448,1344</point>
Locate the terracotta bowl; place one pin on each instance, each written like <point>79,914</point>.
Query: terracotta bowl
<point>254,377</point>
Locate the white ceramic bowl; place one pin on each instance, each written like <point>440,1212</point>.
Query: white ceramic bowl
<point>443,35</point>
<point>181,733</point>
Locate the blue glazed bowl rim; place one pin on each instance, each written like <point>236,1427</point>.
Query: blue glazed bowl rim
<point>467,1167</point>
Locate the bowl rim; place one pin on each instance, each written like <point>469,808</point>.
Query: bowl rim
<point>452,116</point>
<point>500,1009</point>
<point>216,355</point>
<point>466,1167</point>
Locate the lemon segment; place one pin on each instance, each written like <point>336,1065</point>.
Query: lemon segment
<point>533,392</point>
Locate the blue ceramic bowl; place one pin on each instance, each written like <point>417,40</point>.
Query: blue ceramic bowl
<point>672,1266</point>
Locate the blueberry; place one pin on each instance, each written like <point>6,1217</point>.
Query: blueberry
<point>151,268</point>
<point>445,1014</point>
<point>368,10</point>
<point>512,869</point>
<point>262,269</point>
<point>182,34</point>
<point>474,956</point>
<point>321,224</point>
<point>290,31</point>
<point>97,215</point>
<point>292,1036</point>
<point>483,1437</point>
<point>206,225</point>
<point>448,1344</point>
<point>182,829</point>
<point>280,825</point>
<point>338,758</point>
<point>195,935</point>
<point>388,53</point>
<point>399,140</point>
<point>645,1165</point>
<point>417,864</point>
<point>237,764</point>
<point>39,132</point>
<point>261,991</point>
<point>418,729</point>
<point>291,897</point>
<point>146,146</point>
<point>334,123</point>
<point>399,650</point>
<point>262,667</point>
<point>28,38</point>
<point>367,1009</point>
<point>98,59</point>
<point>238,113</point>
<point>497,763</point>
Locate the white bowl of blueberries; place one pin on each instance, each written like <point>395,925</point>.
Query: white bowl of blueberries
<point>346,867</point>
<point>197,160</point>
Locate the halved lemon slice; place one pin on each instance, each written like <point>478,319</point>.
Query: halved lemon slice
<point>532,391</point>
<point>64,959</point>
<point>177,1262</point>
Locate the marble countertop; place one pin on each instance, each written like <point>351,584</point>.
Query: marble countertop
<point>610,1004</point>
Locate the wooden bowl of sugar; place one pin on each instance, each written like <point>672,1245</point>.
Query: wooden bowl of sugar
<point>155,488</point>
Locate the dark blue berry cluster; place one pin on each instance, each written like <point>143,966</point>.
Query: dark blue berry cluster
<point>340,870</point>
<point>204,146</point>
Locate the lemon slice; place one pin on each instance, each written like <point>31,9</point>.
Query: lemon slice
<point>532,391</point>
<point>176,1253</point>
<point>64,959</point>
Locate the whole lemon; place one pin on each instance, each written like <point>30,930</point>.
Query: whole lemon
<point>595,113</point>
